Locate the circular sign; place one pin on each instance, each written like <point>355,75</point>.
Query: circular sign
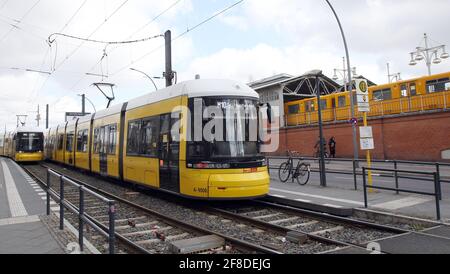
<point>363,86</point>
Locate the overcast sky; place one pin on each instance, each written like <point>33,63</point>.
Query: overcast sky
<point>253,40</point>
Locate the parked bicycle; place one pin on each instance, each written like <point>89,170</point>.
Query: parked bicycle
<point>301,172</point>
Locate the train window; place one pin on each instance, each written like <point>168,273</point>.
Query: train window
<point>342,101</point>
<point>447,86</point>
<point>133,137</point>
<point>82,140</point>
<point>293,109</point>
<point>404,90</point>
<point>310,106</point>
<point>412,89</point>
<point>150,134</point>
<point>112,140</point>
<point>323,104</point>
<point>60,141</point>
<point>381,95</point>
<point>437,85</point>
<point>69,141</point>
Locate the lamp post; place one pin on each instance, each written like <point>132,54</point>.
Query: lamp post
<point>323,175</point>
<point>349,85</point>
<point>146,75</point>
<point>428,54</point>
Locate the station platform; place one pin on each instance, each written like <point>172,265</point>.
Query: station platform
<point>22,203</point>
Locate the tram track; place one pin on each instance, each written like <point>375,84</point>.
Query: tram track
<point>269,227</point>
<point>144,230</point>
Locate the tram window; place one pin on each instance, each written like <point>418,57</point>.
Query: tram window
<point>133,137</point>
<point>82,140</point>
<point>294,109</point>
<point>60,141</point>
<point>412,90</point>
<point>69,142</point>
<point>404,90</point>
<point>437,85</point>
<point>103,139</point>
<point>96,141</point>
<point>150,134</point>
<point>342,102</point>
<point>112,140</point>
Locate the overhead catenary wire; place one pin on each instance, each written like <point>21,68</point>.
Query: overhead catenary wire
<point>18,21</point>
<point>174,4</point>
<point>91,34</point>
<point>180,35</point>
<point>50,40</point>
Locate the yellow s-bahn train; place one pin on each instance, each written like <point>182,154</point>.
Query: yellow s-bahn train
<point>145,141</point>
<point>406,96</point>
<point>25,144</point>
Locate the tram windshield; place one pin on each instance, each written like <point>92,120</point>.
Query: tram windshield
<point>229,128</point>
<point>29,142</point>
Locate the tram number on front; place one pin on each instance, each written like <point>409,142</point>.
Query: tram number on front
<point>200,189</point>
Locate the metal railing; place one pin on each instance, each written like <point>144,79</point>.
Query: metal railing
<point>355,171</point>
<point>83,218</point>
<point>435,194</point>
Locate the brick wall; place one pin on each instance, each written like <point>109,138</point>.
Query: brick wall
<point>420,137</point>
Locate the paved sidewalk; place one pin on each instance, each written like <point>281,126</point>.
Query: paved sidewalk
<point>26,235</point>
<point>21,203</point>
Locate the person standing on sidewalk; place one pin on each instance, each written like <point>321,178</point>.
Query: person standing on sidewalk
<point>332,145</point>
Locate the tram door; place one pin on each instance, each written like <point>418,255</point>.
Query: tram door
<point>103,153</point>
<point>169,145</point>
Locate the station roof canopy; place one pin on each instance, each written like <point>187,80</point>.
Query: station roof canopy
<point>304,86</point>
<point>270,81</point>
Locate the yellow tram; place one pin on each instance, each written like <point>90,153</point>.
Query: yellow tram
<point>25,144</point>
<point>146,141</point>
<point>406,96</point>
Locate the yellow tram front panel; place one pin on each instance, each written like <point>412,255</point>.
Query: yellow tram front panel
<point>29,157</point>
<point>224,183</point>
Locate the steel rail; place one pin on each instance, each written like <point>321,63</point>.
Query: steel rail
<point>244,244</point>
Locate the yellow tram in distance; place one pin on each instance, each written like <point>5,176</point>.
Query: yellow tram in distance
<point>406,96</point>
<point>147,141</point>
<point>25,144</point>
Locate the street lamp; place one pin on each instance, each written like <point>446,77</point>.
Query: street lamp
<point>429,54</point>
<point>146,75</point>
<point>349,84</point>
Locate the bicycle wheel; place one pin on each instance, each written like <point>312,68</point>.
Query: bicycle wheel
<point>303,173</point>
<point>284,172</point>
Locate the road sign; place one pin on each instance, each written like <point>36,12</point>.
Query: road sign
<point>367,144</point>
<point>362,95</point>
<point>365,132</point>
